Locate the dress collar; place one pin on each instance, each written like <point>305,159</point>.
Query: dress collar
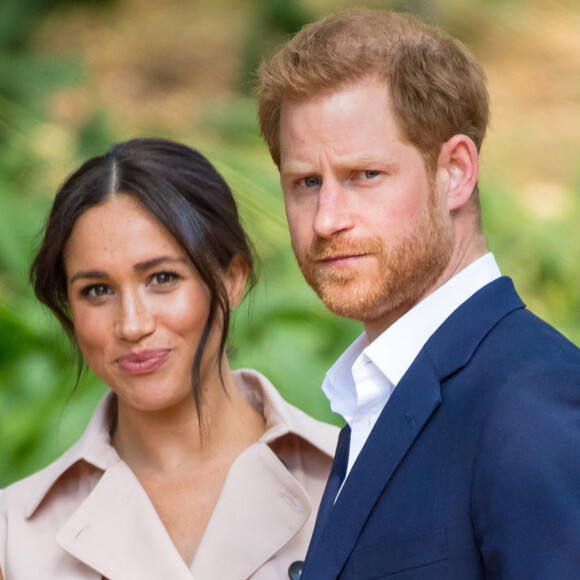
<point>94,447</point>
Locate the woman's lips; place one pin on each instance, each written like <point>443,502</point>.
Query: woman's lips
<point>143,362</point>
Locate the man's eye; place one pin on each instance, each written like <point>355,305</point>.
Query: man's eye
<point>310,181</point>
<point>370,174</point>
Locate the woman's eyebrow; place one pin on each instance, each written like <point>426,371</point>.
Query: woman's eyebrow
<point>139,267</point>
<point>88,275</point>
<point>147,264</point>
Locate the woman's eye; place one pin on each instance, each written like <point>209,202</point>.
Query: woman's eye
<point>95,291</point>
<point>164,278</point>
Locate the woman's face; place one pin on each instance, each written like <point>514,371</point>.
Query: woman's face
<point>138,305</point>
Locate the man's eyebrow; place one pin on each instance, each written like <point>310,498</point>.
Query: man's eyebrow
<point>356,161</point>
<point>139,267</point>
<point>295,168</point>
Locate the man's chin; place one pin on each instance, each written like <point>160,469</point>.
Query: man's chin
<point>348,304</point>
<point>342,310</point>
<point>368,304</point>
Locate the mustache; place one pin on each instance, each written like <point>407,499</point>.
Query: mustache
<point>323,249</point>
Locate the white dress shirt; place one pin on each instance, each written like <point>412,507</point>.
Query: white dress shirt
<point>361,381</point>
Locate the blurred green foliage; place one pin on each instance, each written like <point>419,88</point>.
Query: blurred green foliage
<point>40,415</point>
<point>272,23</point>
<point>281,328</point>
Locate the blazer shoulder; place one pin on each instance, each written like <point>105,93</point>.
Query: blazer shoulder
<point>532,375</point>
<point>525,501</point>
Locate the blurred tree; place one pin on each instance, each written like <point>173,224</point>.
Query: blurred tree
<point>427,10</point>
<point>24,76</point>
<point>37,372</point>
<point>271,23</point>
<point>20,18</point>
<point>283,329</point>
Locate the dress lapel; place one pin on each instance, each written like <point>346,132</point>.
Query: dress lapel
<point>260,509</point>
<point>117,532</point>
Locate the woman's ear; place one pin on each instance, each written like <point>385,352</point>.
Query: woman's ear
<point>457,171</point>
<point>235,279</point>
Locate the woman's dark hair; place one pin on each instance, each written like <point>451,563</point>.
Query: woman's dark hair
<point>178,186</point>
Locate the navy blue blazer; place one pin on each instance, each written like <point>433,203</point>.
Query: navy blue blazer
<point>473,468</point>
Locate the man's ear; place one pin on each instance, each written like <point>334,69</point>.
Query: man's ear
<point>457,170</point>
<point>235,279</point>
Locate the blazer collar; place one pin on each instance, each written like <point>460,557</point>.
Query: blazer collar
<point>413,402</point>
<point>454,343</point>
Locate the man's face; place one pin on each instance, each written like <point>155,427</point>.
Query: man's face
<point>368,227</point>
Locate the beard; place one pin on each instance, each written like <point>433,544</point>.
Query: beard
<point>389,278</point>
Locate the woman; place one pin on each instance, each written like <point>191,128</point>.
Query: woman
<point>186,469</point>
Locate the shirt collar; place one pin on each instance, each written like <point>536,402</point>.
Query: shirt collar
<point>396,348</point>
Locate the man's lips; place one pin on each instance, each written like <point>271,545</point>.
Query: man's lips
<point>341,259</point>
<point>143,361</point>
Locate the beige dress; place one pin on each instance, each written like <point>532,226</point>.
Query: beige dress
<point>86,516</point>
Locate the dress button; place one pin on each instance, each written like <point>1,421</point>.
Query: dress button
<point>295,570</point>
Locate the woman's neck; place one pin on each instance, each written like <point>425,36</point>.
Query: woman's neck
<point>171,441</point>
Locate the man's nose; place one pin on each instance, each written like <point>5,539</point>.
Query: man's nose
<point>135,319</point>
<point>334,211</point>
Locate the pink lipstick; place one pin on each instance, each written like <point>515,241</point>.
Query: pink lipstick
<point>143,362</point>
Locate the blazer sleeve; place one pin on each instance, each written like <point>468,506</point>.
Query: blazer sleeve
<point>526,490</point>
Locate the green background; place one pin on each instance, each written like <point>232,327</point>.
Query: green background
<point>76,76</point>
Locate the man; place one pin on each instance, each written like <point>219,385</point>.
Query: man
<point>461,455</point>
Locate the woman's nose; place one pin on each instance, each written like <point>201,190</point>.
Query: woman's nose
<point>135,319</point>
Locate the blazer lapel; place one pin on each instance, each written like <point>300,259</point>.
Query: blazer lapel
<point>333,484</point>
<point>117,532</point>
<point>411,405</point>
